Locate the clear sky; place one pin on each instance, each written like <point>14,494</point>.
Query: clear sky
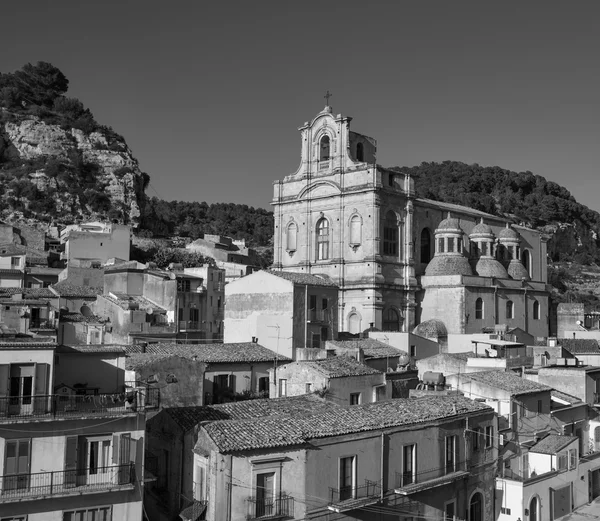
<point>209,95</point>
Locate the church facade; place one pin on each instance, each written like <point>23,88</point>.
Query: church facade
<point>400,260</point>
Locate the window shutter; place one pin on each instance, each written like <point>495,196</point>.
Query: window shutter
<point>232,382</point>
<point>133,450</point>
<point>115,449</point>
<point>4,373</point>
<point>124,449</point>
<point>10,466</point>
<point>71,446</point>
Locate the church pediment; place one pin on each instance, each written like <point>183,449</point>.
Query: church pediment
<point>320,189</point>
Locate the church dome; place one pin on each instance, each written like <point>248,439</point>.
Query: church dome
<point>508,233</point>
<point>482,229</point>
<point>517,271</point>
<point>489,267</point>
<point>448,265</point>
<point>433,328</point>
<point>449,224</point>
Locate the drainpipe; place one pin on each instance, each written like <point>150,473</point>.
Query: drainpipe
<point>382,462</point>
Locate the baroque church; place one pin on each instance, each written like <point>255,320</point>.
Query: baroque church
<point>400,260</point>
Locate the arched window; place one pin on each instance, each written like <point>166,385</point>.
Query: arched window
<point>353,323</point>
<point>533,509</point>
<point>510,309</point>
<point>526,259</point>
<point>441,245</point>
<point>476,507</point>
<point>536,310</point>
<point>425,245</point>
<point>391,320</point>
<point>390,234</point>
<point>360,152</point>
<point>479,309</point>
<point>292,233</point>
<point>324,149</point>
<point>322,239</point>
<point>450,244</point>
<point>355,230</point>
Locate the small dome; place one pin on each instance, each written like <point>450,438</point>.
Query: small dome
<point>508,233</point>
<point>433,328</point>
<point>449,223</point>
<point>448,265</point>
<point>482,229</point>
<point>489,267</point>
<point>517,271</point>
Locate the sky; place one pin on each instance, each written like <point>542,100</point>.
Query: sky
<point>209,95</point>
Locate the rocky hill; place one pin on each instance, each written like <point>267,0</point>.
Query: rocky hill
<point>57,164</point>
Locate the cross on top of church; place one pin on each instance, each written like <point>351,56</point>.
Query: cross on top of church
<point>327,96</point>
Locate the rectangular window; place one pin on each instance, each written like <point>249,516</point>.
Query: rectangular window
<point>572,458</point>
<point>562,461</point>
<point>450,244</point>
<point>282,387</point>
<point>354,398</point>
<point>316,340</point>
<point>89,514</point>
<point>413,350</point>
<point>308,388</point>
<point>15,262</point>
<point>324,303</point>
<point>194,314</point>
<point>450,453</point>
<point>505,510</point>
<point>324,334</point>
<point>441,245</point>
<point>539,406</point>
<point>347,478</point>
<point>183,285</point>
<point>489,436</point>
<point>199,483</point>
<point>312,302</point>
<point>476,437</point>
<point>409,464</point>
<point>450,511</point>
<point>265,494</point>
<point>17,462</point>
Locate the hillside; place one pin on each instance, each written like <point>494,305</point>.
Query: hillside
<point>525,198</point>
<point>57,164</point>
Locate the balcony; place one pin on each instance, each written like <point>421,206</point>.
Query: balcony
<point>66,482</point>
<point>350,498</point>
<point>42,324</point>
<point>412,482</point>
<point>270,508</point>
<point>318,315</point>
<point>47,407</point>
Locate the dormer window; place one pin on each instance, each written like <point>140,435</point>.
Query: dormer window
<point>324,149</point>
<point>360,152</point>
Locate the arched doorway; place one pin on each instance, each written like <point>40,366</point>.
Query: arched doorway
<point>533,509</point>
<point>476,507</point>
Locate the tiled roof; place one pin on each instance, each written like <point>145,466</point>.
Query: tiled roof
<point>43,270</point>
<point>580,346</point>
<point>565,397</point>
<point>91,348</point>
<point>67,290</point>
<point>39,293</point>
<point>304,278</point>
<point>432,328</point>
<point>78,317</point>
<point>552,444</point>
<point>456,207</point>
<point>371,348</point>
<point>335,367</point>
<point>236,435</point>
<point>124,301</point>
<point>24,302</point>
<point>14,343</point>
<point>507,381</point>
<point>214,353</point>
<point>188,417</point>
<point>136,361</point>
<point>8,271</point>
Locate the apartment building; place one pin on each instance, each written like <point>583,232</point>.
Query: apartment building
<point>71,434</point>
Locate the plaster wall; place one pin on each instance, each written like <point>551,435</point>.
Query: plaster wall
<point>423,347</point>
<point>106,372</point>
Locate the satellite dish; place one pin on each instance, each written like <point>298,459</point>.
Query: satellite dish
<point>578,322</point>
<point>86,311</point>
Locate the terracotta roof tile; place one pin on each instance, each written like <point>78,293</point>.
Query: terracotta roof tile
<point>552,444</point>
<point>304,278</point>
<point>580,346</point>
<point>65,289</point>
<point>507,381</point>
<point>214,353</point>
<point>78,317</point>
<point>371,348</point>
<point>335,367</point>
<point>91,348</point>
<point>236,435</point>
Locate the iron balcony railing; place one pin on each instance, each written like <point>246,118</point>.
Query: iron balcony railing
<point>269,508</point>
<point>64,482</point>
<point>404,479</point>
<point>54,405</point>
<point>370,489</point>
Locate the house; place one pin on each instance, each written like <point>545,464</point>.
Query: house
<point>341,379</point>
<point>384,460</point>
<point>12,265</point>
<point>58,458</point>
<point>586,350</point>
<point>173,433</point>
<point>29,311</point>
<point>373,353</point>
<point>283,310</point>
<point>95,241</point>
<point>415,345</point>
<point>225,249</point>
<point>232,370</point>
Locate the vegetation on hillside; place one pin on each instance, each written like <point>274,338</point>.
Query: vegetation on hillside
<point>526,198</point>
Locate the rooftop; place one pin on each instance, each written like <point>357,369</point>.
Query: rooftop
<point>136,361</point>
<point>580,346</point>
<point>552,444</point>
<point>78,317</point>
<point>561,397</point>
<point>371,348</point>
<point>304,278</point>
<point>91,348</point>
<point>336,367</point>
<point>299,429</point>
<point>507,381</point>
<point>214,353</point>
<point>67,290</point>
<point>125,301</point>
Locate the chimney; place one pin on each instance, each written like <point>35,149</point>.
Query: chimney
<point>255,340</point>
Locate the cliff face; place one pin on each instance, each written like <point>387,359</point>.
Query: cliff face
<point>56,174</point>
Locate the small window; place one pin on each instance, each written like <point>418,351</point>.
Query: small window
<point>347,475</point>
<point>391,320</point>
<point>413,350</point>
<point>539,406</point>
<point>15,262</point>
<point>536,310</point>
<point>441,245</point>
<point>409,467</point>
<point>450,244</point>
<point>476,438</point>
<point>354,398</point>
<point>323,239</point>
<point>390,235</point>
<point>572,458</point>
<point>510,309</point>
<point>458,245</point>
<point>483,248</point>
<point>479,311</point>
<point>324,149</point>
<point>391,180</point>
<point>505,510</point>
<point>360,152</point>
<point>316,340</point>
<point>282,387</point>
<point>562,461</point>
<point>489,436</point>
<point>425,245</point>
<point>308,388</point>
